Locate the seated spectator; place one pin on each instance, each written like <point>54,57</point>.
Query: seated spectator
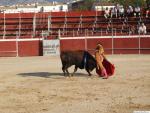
<point>121,11</point>
<point>126,20</point>
<point>109,25</point>
<point>129,11</point>
<point>147,13</point>
<point>137,11</point>
<point>132,29</point>
<point>113,12</point>
<point>106,13</point>
<point>117,7</point>
<point>142,29</point>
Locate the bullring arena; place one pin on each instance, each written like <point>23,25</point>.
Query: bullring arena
<point>37,85</point>
<point>31,82</point>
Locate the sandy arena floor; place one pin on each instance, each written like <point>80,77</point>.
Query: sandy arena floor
<point>37,85</point>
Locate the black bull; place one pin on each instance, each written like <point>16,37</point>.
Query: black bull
<point>81,59</point>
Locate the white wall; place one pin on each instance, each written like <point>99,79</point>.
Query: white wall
<point>53,8</point>
<point>101,8</point>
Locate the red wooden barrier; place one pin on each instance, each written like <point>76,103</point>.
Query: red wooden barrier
<point>24,47</point>
<point>7,48</point>
<point>111,45</point>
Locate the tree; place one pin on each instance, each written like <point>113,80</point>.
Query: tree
<point>87,5</point>
<point>140,3</point>
<point>148,3</point>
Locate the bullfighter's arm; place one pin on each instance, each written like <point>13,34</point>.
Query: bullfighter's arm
<point>104,56</point>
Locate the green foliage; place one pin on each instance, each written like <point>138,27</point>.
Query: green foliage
<point>87,5</point>
<point>148,2</point>
<point>130,2</point>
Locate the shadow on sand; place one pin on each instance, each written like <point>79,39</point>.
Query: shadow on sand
<point>49,74</point>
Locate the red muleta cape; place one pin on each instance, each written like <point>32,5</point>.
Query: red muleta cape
<point>110,68</point>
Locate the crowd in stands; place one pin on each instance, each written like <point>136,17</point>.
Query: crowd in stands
<point>120,11</point>
<point>148,12</point>
<point>124,13</point>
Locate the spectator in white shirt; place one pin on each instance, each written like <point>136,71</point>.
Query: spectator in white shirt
<point>106,13</point>
<point>121,11</point>
<point>130,11</point>
<point>142,29</point>
<point>137,11</point>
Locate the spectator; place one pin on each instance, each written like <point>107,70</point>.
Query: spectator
<point>132,29</point>
<point>109,26</point>
<point>129,11</point>
<point>125,26</point>
<point>147,13</point>
<point>107,13</point>
<point>113,12</point>
<point>121,11</point>
<point>137,11</point>
<point>142,29</point>
<point>117,7</point>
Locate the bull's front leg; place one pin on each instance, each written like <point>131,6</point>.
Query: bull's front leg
<point>88,72</point>
<point>75,69</point>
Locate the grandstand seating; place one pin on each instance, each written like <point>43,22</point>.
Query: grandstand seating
<point>70,23</point>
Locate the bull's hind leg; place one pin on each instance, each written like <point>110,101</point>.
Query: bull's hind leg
<point>65,70</point>
<point>75,69</point>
